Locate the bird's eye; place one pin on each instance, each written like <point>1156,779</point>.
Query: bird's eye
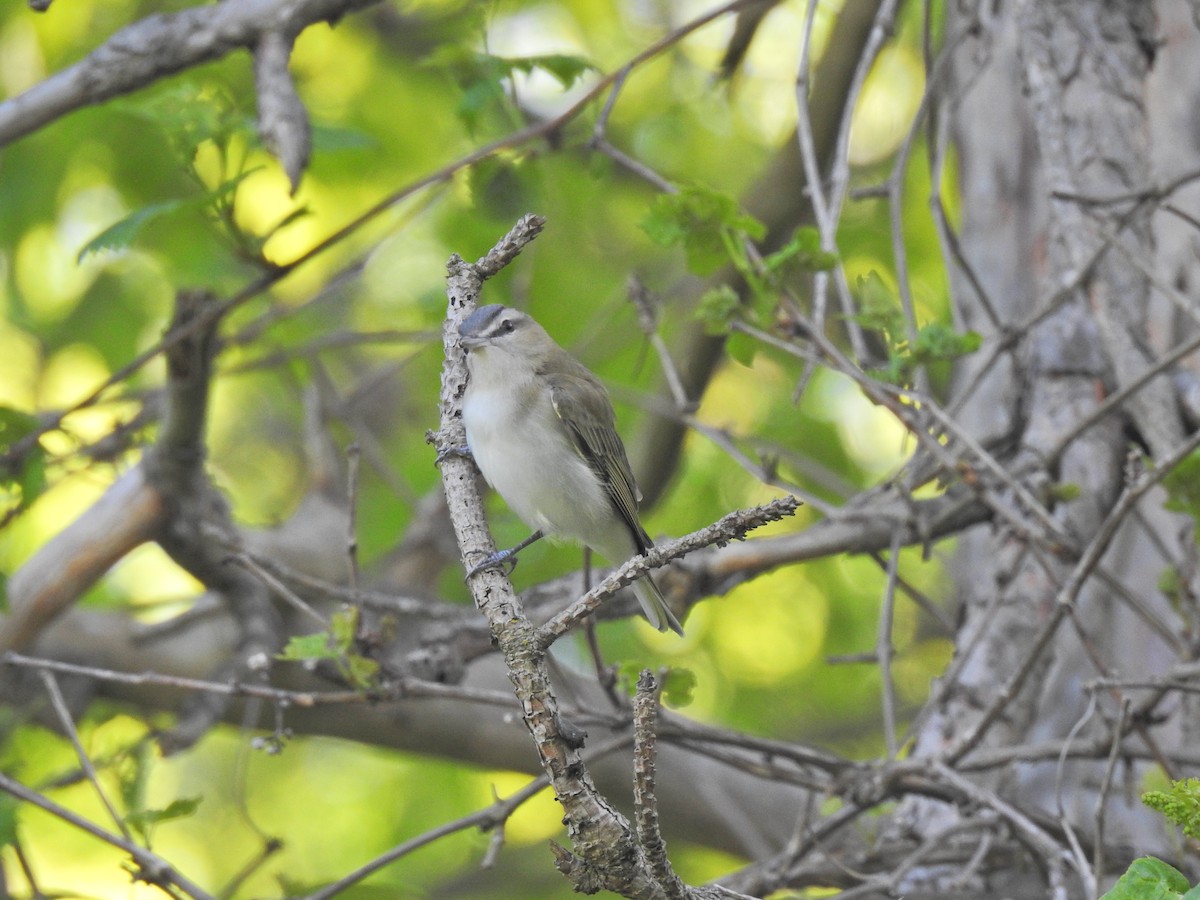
<point>507,326</point>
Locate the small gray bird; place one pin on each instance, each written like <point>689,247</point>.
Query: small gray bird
<point>543,433</point>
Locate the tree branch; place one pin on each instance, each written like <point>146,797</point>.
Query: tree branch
<point>161,45</point>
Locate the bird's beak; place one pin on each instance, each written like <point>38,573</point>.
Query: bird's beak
<point>470,341</point>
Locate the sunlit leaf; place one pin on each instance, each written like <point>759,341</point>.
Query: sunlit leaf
<point>121,235</point>
<point>144,820</point>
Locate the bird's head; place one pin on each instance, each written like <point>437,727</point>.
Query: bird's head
<point>500,332</point>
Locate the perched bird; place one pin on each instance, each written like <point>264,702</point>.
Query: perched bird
<point>543,433</point>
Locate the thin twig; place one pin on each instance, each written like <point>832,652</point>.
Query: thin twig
<point>151,868</point>
<point>85,761</point>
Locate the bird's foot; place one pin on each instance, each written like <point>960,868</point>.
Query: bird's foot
<point>461,452</point>
<point>505,560</point>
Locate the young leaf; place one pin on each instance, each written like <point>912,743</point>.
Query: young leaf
<point>305,647</point>
<point>143,821</point>
<point>1148,878</point>
<point>566,69</point>
<point>742,348</point>
<point>482,75</point>
<point>1183,486</point>
<point>802,253</point>
<point>717,309</point>
<point>1180,803</point>
<point>706,223</point>
<point>678,687</point>
<point>121,234</point>
<point>879,308</point>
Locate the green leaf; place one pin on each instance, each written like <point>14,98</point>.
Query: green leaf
<point>304,647</point>
<point>120,235</point>
<point>937,342</point>
<point>1180,804</point>
<point>361,671</point>
<point>33,476</point>
<point>678,687</point>
<point>1064,491</point>
<point>190,113</point>
<point>879,307</point>
<point>706,223</point>
<point>1148,878</point>
<point>482,75</point>
<point>1182,484</point>
<point>24,474</point>
<point>343,626</point>
<point>475,99</point>
<point>8,820</point>
<point>337,645</point>
<point>742,348</point>
<point>802,253</point>
<point>565,68</point>
<point>14,425</point>
<point>717,309</point>
<point>144,820</point>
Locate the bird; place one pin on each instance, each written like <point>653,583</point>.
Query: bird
<point>541,429</point>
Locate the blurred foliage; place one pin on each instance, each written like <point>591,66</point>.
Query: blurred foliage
<point>110,209</point>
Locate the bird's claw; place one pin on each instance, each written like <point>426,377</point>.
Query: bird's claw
<point>506,560</point>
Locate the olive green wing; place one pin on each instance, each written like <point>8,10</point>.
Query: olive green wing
<point>582,405</point>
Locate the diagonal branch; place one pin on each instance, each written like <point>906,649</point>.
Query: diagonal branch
<point>160,45</point>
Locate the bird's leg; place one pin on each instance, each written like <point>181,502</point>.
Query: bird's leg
<point>505,559</point>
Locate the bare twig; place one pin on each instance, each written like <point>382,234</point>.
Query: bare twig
<point>645,715</point>
<point>151,868</point>
<point>733,526</point>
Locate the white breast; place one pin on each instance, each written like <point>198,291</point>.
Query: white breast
<point>524,453</point>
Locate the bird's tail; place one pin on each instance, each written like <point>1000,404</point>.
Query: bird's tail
<point>654,605</point>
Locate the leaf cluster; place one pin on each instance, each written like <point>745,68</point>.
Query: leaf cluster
<point>934,342</point>
<point>339,646</point>
<point>714,232</point>
<point>1180,803</point>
